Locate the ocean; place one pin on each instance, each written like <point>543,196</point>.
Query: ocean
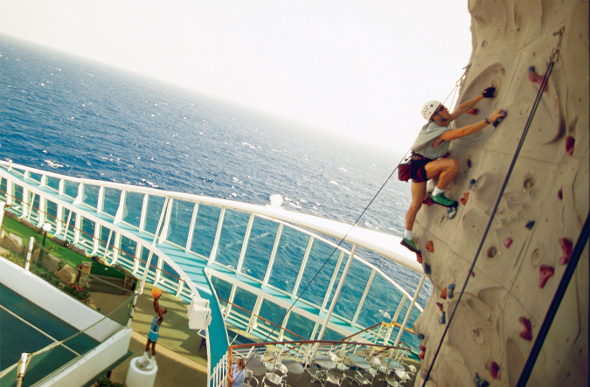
<point>80,118</point>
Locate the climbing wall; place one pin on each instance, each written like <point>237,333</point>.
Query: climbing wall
<point>538,219</point>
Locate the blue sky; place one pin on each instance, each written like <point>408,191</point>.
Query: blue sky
<point>357,68</point>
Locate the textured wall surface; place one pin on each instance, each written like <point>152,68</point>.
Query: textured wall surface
<point>542,209</point>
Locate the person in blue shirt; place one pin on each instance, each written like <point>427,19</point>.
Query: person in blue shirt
<point>237,374</point>
<point>427,161</point>
<point>153,335</point>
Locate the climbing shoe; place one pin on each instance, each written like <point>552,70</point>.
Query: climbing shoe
<point>443,201</point>
<point>410,245</point>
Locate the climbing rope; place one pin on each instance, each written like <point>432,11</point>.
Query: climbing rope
<point>453,93</point>
<point>552,59</point>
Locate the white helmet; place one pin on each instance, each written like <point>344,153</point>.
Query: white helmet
<point>429,108</point>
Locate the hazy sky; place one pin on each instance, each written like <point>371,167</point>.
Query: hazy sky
<point>362,68</point>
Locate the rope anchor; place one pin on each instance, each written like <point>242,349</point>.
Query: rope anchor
<point>554,57</point>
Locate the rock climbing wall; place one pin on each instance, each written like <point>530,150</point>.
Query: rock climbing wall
<point>538,219</point>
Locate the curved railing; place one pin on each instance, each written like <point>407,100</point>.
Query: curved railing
<point>289,268</point>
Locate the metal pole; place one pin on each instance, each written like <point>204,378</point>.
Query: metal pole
<point>29,252</point>
<point>403,327</point>
<point>23,362</point>
<point>337,294</point>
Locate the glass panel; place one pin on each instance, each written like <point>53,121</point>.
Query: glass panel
<point>71,189</point>
<point>352,291</point>
<point>316,290</point>
<point>169,273</point>
<point>222,288</point>
<point>90,195</point>
<point>288,259</point>
<point>128,251</point>
<point>232,238</point>
<point>272,312</point>
<point>35,176</point>
<point>180,220</point>
<point>51,209</point>
<point>300,325</point>
<point>132,210</point>
<point>154,210</point>
<point>87,233</point>
<point>112,197</point>
<point>244,299</point>
<point>18,193</point>
<point>205,230</point>
<point>260,244</point>
<point>3,188</point>
<point>52,182</point>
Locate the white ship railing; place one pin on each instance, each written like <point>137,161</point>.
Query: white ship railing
<point>138,228</point>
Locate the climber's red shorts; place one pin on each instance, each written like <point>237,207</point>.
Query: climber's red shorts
<point>417,171</point>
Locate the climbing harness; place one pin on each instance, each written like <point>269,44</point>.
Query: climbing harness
<point>552,59</point>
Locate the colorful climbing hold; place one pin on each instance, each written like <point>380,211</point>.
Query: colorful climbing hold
<point>443,294</point>
<point>473,111</point>
<point>495,370</point>
<point>463,200</point>
<point>420,336</point>
<point>534,77</point>
<point>426,268</point>
<point>560,193</point>
<point>530,224</point>
<point>480,382</point>
<point>422,352</point>
<point>419,258</point>
<point>569,145</point>
<point>566,247</point>
<point>430,247</point>
<point>527,334</point>
<point>472,183</point>
<point>440,306</point>
<point>546,273</point>
<point>443,318</point>
<point>428,201</point>
<point>451,291</point>
<point>497,122</point>
<point>508,242</point>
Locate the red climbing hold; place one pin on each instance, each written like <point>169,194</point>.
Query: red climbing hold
<point>566,247</point>
<point>428,201</point>
<point>534,77</point>
<point>443,294</point>
<point>569,145</point>
<point>508,242</point>
<point>440,306</point>
<point>495,370</point>
<point>430,247</point>
<point>463,200</point>
<point>419,258</point>
<point>422,352</point>
<point>546,273</point>
<point>473,111</point>
<point>527,334</point>
<point>560,193</point>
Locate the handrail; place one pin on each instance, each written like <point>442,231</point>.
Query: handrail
<point>107,245</point>
<point>376,325</point>
<point>262,318</point>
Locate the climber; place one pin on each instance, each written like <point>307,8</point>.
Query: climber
<point>430,146</point>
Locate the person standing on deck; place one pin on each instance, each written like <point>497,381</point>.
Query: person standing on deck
<point>153,335</point>
<point>430,146</point>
